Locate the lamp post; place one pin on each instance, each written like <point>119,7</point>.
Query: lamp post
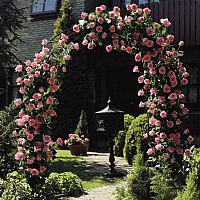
<point>110,120</point>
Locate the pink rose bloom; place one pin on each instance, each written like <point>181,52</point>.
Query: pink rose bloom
<point>40,104</point>
<point>92,24</point>
<point>161,99</point>
<point>47,138</point>
<point>54,88</point>
<point>37,96</point>
<point>181,43</point>
<point>150,31</point>
<point>18,68</point>
<point>27,81</point>
<point>90,46</point>
<point>64,69</point>
<point>39,157</point>
<point>146,10</point>
<point>170,38</point>
<point>44,42</point>
<point>33,64</point>
<point>170,149</point>
<point>163,114</point>
<point>84,15</point>
<point>184,81</point>
<point>152,121</point>
<point>170,124</point>
<point>141,79</point>
<point>19,80</point>
<point>53,69</point>
<point>179,151</point>
<point>28,63</point>
<point>141,104</point>
<point>112,29</point>
<point>49,154</point>
<point>25,118</point>
<point>59,141</point>
<point>139,11</point>
<point>153,91</point>
<point>45,50</point>
<point>52,81</point>
<point>188,152</point>
<point>109,48</point>
<point>177,135</point>
<point>159,147</point>
<point>190,139</point>
<point>91,17</point>
<point>76,28</point>
<point>100,20</point>
<point>104,35</point>
<point>138,57</point>
<point>34,172</point>
<point>178,122</point>
<point>172,96</point>
<point>150,151</point>
<point>140,19</point>
<point>147,58</point>
<point>103,7</point>
<point>160,41</point>
<point>45,66</point>
<point>67,57</point>
<point>165,22</point>
<point>172,136</point>
<point>185,111</point>
<point>135,69</point>
<point>165,156</point>
<point>141,93</point>
<point>162,70</point>
<point>52,113</point>
<point>163,135</point>
<point>18,102</point>
<point>50,100</point>
<point>128,7</point>
<point>111,15</point>
<point>174,114</point>
<point>37,74</point>
<point>42,169</point>
<point>64,37</point>
<point>31,106</point>
<point>19,156</point>
<point>145,135</point>
<point>115,42</point>
<point>151,133</point>
<point>30,161</point>
<point>134,7</point>
<point>14,133</point>
<point>116,9</point>
<point>41,89</point>
<point>62,42</point>
<point>29,69</point>
<point>129,50</point>
<point>158,123</point>
<point>166,89</point>
<point>98,9</point>
<point>30,137</point>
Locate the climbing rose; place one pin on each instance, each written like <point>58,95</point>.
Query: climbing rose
<point>165,22</point>
<point>18,68</point>
<point>76,28</point>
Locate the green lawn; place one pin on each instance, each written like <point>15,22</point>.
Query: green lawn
<point>65,162</point>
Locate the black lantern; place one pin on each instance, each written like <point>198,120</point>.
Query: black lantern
<point>110,120</point>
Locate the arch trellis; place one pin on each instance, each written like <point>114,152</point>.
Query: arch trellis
<point>162,73</point>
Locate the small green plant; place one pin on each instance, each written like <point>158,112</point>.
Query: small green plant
<point>120,138</point>
<point>137,181</point>
<point>66,184</point>
<point>162,184</point>
<point>134,136</point>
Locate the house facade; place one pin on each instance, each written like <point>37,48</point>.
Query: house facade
<point>111,74</point>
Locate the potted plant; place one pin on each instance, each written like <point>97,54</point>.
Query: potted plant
<point>78,145</point>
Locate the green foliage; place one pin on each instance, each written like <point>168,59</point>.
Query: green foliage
<point>7,146</point>
<point>11,19</point>
<point>82,128</point>
<point>120,138</point>
<point>66,183</point>
<point>138,181</point>
<point>162,184</point>
<point>14,189</point>
<point>65,19</point>
<point>134,136</point>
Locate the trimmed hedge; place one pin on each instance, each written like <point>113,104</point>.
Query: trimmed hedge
<point>134,136</point>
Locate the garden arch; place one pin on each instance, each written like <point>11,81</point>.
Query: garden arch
<point>162,73</point>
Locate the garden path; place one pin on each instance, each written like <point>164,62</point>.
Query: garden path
<point>99,163</point>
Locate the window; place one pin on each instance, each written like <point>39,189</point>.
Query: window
<point>44,6</point>
<point>147,1</point>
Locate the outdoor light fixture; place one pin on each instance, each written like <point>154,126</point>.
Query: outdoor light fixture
<point>110,120</point>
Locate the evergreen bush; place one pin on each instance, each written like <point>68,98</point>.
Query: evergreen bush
<point>137,181</point>
<point>120,138</point>
<point>66,184</point>
<point>7,145</point>
<point>134,136</point>
<point>82,128</point>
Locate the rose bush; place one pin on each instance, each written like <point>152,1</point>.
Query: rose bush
<point>148,43</point>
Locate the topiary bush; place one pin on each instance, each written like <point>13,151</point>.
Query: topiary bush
<point>7,145</point>
<point>82,126</point>
<point>134,136</point>
<point>66,184</point>
<point>120,138</point>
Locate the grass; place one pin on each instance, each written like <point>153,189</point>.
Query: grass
<point>65,162</point>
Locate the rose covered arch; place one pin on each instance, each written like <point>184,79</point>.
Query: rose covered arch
<point>161,71</point>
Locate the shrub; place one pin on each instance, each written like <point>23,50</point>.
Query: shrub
<point>82,126</point>
<point>7,147</point>
<point>14,189</point>
<point>137,182</point>
<point>134,136</point>
<point>120,138</point>
<point>66,184</point>
<point>162,184</point>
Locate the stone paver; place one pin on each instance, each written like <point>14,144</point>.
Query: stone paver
<point>99,162</point>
